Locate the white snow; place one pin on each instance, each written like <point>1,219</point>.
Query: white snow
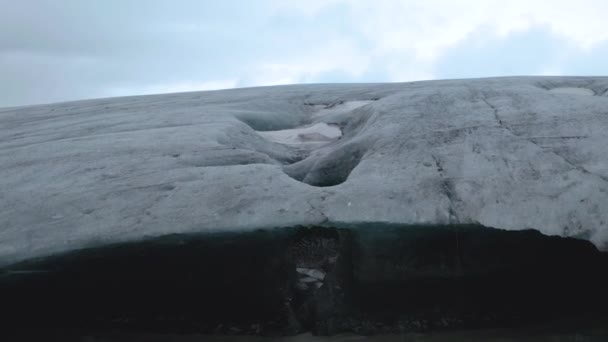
<point>573,91</point>
<point>311,272</point>
<point>320,133</point>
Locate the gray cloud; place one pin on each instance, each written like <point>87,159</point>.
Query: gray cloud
<point>52,50</point>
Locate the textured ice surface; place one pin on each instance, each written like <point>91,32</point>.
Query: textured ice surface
<point>503,152</point>
<point>573,91</point>
<point>340,107</point>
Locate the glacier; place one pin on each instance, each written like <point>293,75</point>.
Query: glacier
<point>507,153</point>
<point>368,208</point>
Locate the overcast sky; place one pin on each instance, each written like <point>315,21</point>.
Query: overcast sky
<point>57,50</point>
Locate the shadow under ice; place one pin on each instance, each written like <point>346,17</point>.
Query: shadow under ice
<point>366,279</point>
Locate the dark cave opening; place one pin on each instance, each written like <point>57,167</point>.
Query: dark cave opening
<point>368,279</point>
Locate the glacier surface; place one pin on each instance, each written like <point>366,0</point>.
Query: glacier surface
<point>509,153</point>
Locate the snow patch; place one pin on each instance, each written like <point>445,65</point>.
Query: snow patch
<point>572,91</point>
<point>309,277</point>
<point>320,133</point>
<point>311,272</point>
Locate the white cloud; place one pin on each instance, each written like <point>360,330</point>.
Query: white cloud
<point>407,33</point>
<point>331,56</point>
<point>212,45</point>
<point>306,7</point>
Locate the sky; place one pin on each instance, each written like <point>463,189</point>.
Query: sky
<point>59,50</point>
